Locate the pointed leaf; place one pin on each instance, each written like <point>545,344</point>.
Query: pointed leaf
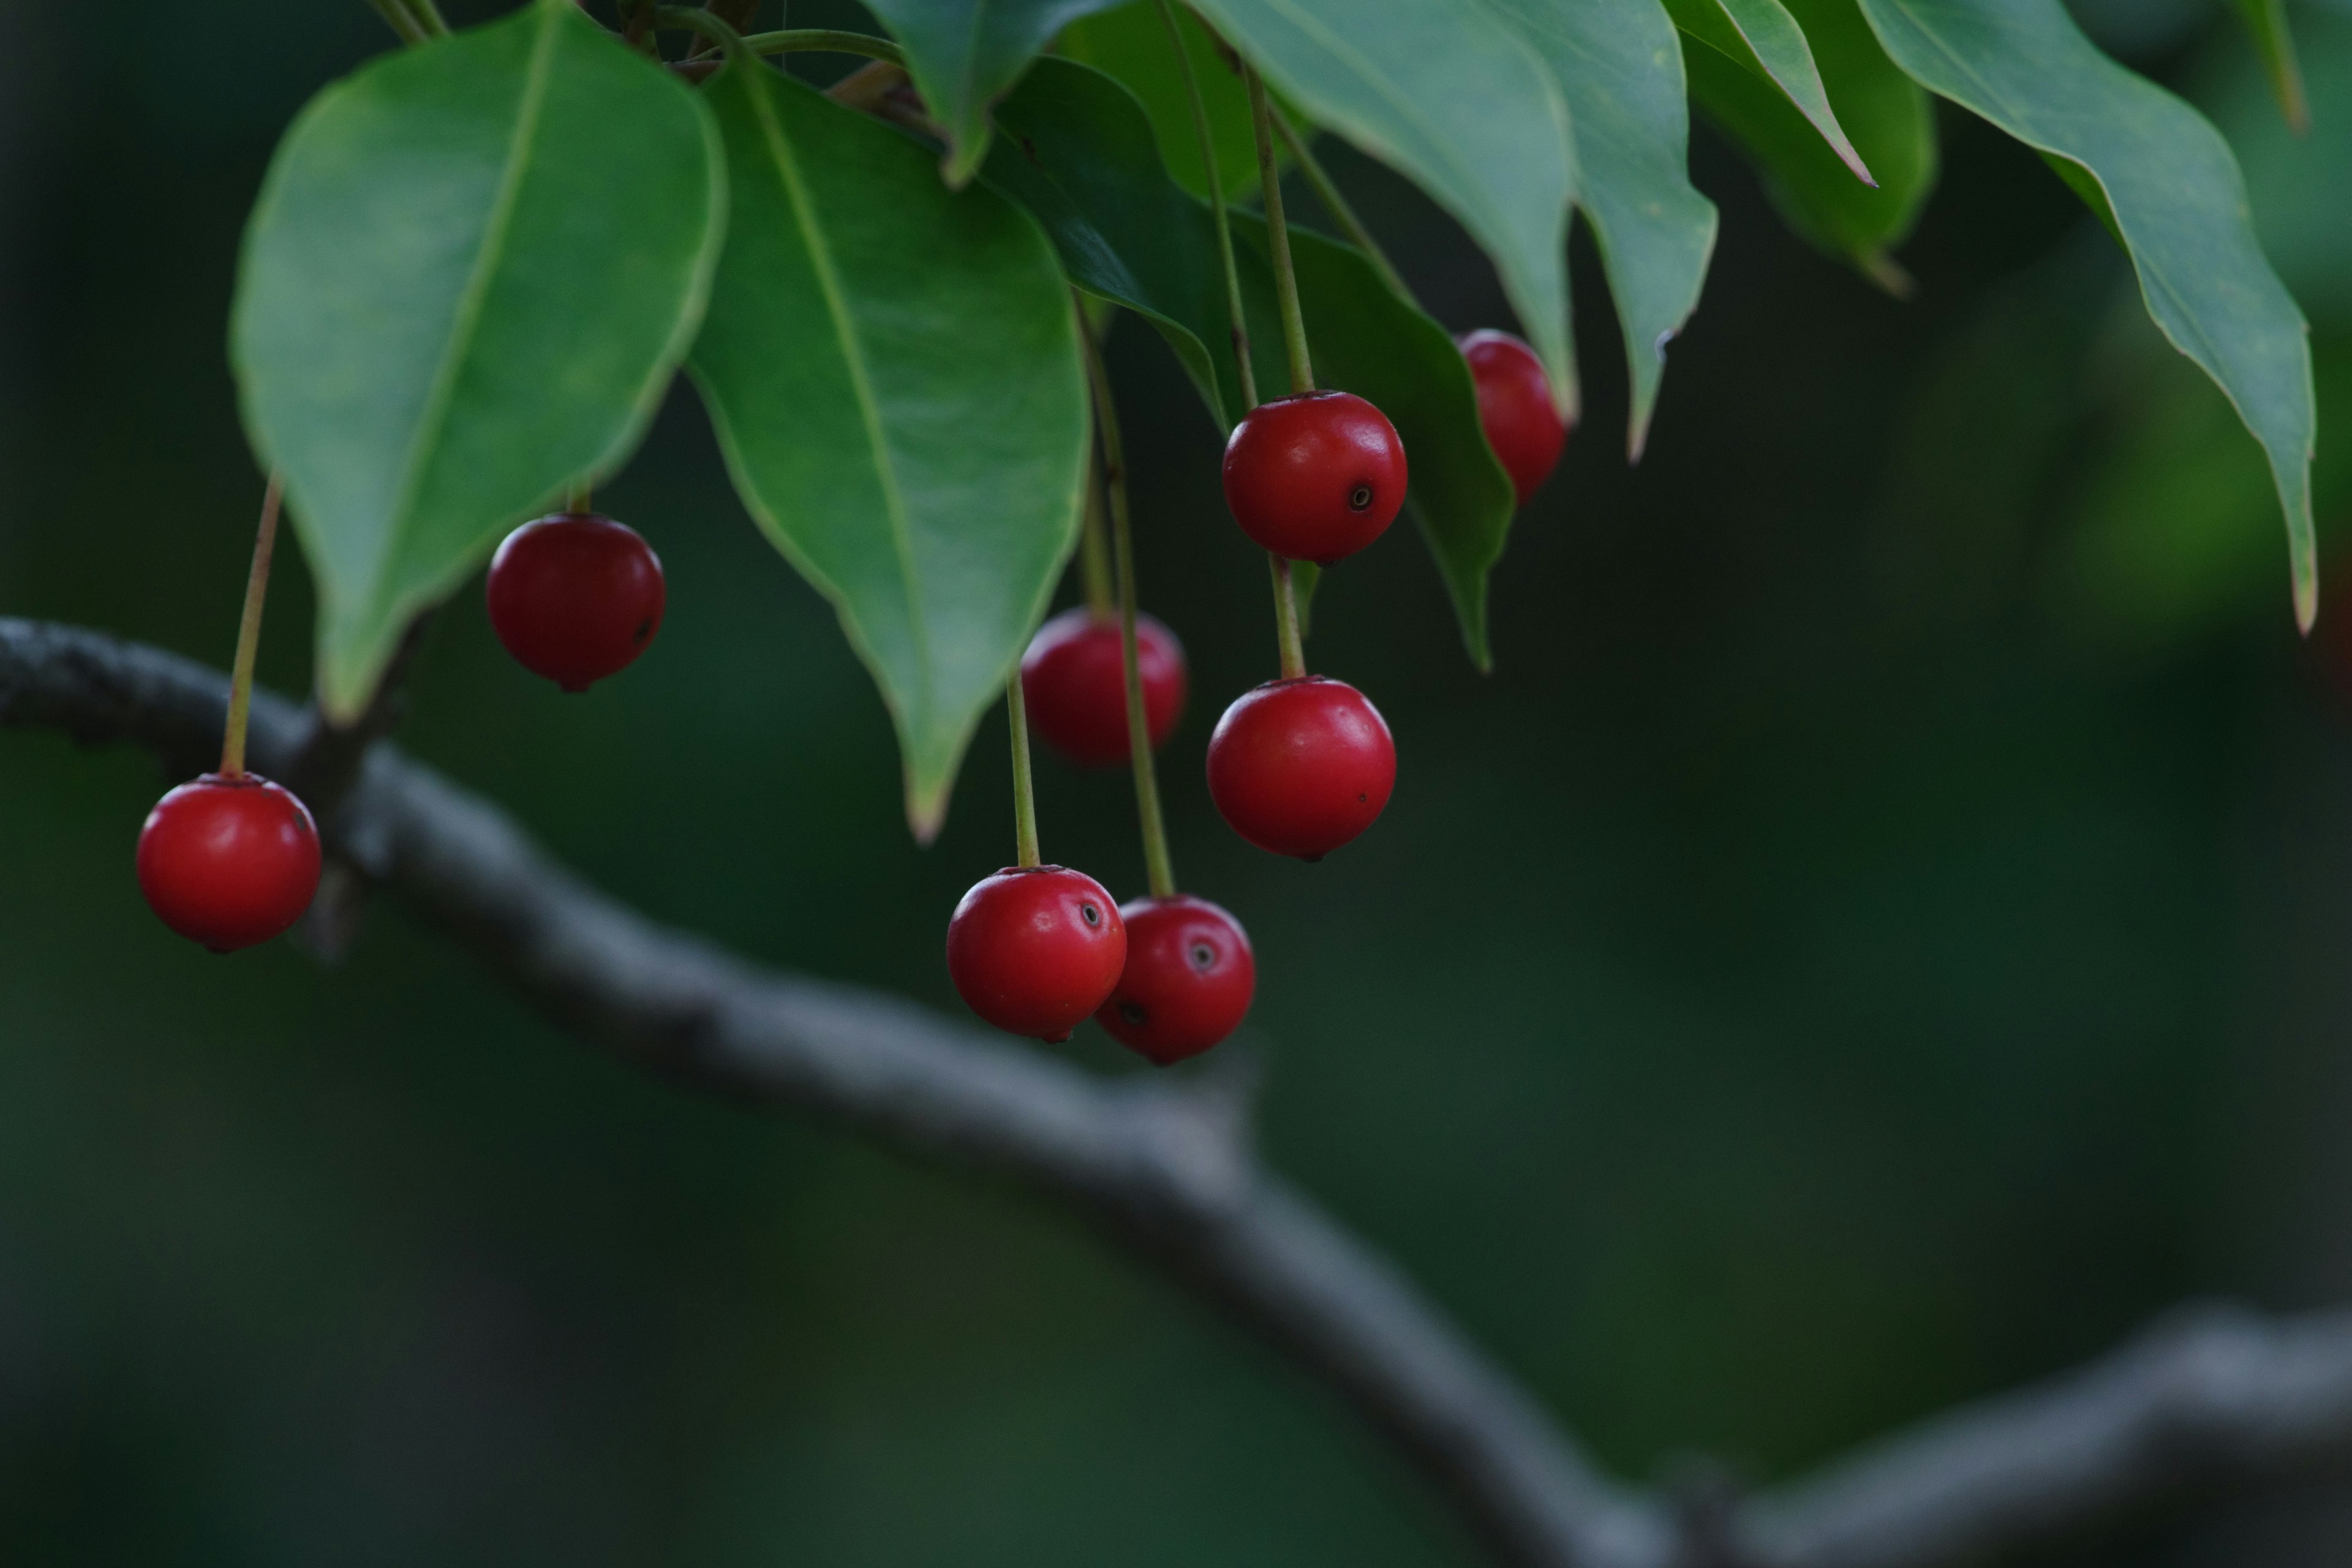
<point>963,55</point>
<point>1450,96</point>
<point>2274,41</point>
<point>407,336</point>
<point>1761,38</point>
<point>1129,43</point>
<point>1077,148</point>
<point>1887,114</point>
<point>1619,66</point>
<point>2173,193</point>
<point>893,370</point>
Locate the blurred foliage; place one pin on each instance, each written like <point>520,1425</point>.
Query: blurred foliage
<point>1878,936</point>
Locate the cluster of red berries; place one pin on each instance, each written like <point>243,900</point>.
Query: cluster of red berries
<point>232,860</point>
<point>1299,766</point>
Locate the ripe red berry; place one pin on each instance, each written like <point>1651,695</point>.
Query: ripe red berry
<point>575,597</point>
<point>1316,477</point>
<point>1189,979</point>
<point>1075,681</point>
<point>229,861</point>
<point>1515,405</point>
<point>1035,948</point>
<point>1302,766</point>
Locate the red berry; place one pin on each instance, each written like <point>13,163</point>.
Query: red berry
<point>1035,948</point>
<point>1301,766</point>
<point>1515,405</point>
<point>229,862</point>
<point>1316,477</point>
<point>1074,680</point>
<point>1188,978</point>
<point>575,597</point>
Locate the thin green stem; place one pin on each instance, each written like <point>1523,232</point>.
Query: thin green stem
<point>1025,793</point>
<point>1277,233</point>
<point>1286,619</point>
<point>249,632</point>
<point>695,19</point>
<point>428,17</point>
<point>579,499</point>
<point>395,16</point>
<point>1319,181</point>
<point>1094,554</point>
<point>1158,871</point>
<point>823,40</point>
<point>1238,320</point>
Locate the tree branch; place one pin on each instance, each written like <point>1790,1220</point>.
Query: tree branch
<point>1165,1165</point>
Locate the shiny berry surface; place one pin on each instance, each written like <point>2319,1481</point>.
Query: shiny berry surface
<point>1074,682</point>
<point>229,862</point>
<point>1034,951</point>
<point>1316,477</point>
<point>1301,767</point>
<point>1522,423</point>
<point>575,597</point>
<point>1189,979</point>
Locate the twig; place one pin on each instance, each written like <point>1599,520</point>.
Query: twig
<point>1164,1165</point>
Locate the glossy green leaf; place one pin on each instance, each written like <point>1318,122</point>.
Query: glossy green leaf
<point>1619,66</point>
<point>1076,148</point>
<point>1451,97</point>
<point>1888,116</point>
<point>2174,195</point>
<point>1129,43</point>
<point>432,234</point>
<point>964,54</point>
<point>2274,41</point>
<point>892,369</point>
<point>1764,39</point>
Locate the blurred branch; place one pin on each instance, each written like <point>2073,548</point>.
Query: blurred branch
<point>1165,1164</point>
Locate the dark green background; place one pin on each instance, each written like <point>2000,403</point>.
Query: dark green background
<point>1883,932</point>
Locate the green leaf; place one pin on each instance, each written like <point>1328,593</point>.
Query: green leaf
<point>964,54</point>
<point>892,369</point>
<point>1887,114</point>
<point>1619,66</point>
<point>1129,43</point>
<point>2173,193</point>
<point>1761,38</point>
<point>2266,19</point>
<point>407,335</point>
<point>1451,97</point>
<point>1078,150</point>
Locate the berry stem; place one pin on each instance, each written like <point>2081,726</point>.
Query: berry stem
<point>579,499</point>
<point>1239,320</point>
<point>1278,235</point>
<point>1094,555</point>
<point>1158,869</point>
<point>249,632</point>
<point>1286,619</point>
<point>428,15</point>
<point>397,17</point>
<point>789,41</point>
<point>1319,181</point>
<point>1024,795</point>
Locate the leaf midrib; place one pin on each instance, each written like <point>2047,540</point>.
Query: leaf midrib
<point>466,321</point>
<point>853,353</point>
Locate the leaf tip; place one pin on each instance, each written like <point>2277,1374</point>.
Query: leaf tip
<point>2306,595</point>
<point>926,812</point>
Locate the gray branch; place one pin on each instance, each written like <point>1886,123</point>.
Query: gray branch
<point>1165,1164</point>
